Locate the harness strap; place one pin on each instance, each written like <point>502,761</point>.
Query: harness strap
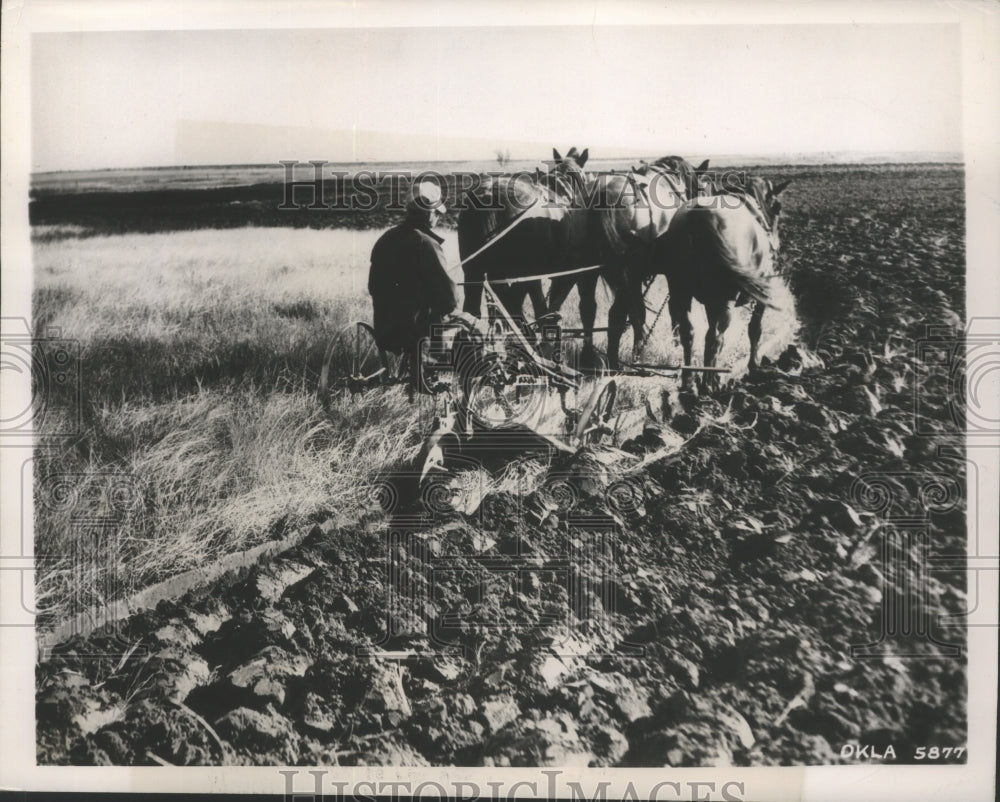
<point>503,233</point>
<point>659,313</point>
<point>641,188</point>
<point>509,281</point>
<point>753,205</point>
<point>756,211</point>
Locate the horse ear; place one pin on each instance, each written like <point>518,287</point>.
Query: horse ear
<point>571,152</point>
<point>702,167</point>
<point>556,156</point>
<point>582,158</point>
<point>781,187</point>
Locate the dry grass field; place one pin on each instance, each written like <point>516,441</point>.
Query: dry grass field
<point>199,353</point>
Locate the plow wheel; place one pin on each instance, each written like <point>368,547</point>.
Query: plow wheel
<point>496,404</point>
<point>354,361</point>
<point>502,390</point>
<point>597,415</point>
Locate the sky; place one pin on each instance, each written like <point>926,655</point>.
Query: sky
<point>150,98</point>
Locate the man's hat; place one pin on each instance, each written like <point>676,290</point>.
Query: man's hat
<point>426,195</point>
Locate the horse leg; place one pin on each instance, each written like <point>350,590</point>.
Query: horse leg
<point>503,296</point>
<point>415,382</point>
<point>637,317</point>
<point>513,300</point>
<point>617,320</point>
<point>538,303</point>
<point>754,331</point>
<point>518,295</point>
<point>522,293</point>
<point>537,298</point>
<point>680,319</point>
<point>587,289</point>
<point>719,316</point>
<point>473,294</point>
<point>559,290</point>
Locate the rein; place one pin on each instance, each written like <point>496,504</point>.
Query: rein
<point>497,237</point>
<point>507,282</point>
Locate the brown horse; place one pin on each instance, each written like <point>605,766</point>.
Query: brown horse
<point>538,227</point>
<point>626,213</point>
<point>721,250</point>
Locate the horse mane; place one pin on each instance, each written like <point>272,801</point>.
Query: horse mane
<point>683,169</point>
<point>502,195</point>
<point>602,219</point>
<point>674,162</point>
<point>566,177</point>
<point>603,213</point>
<point>756,189</point>
<point>677,170</point>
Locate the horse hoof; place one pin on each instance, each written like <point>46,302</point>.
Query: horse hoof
<point>590,359</point>
<point>706,385</point>
<point>687,398</point>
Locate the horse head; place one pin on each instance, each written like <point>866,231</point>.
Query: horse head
<point>695,181</point>
<point>572,157</point>
<point>705,181</point>
<point>567,176</point>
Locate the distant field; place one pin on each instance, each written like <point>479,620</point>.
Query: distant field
<point>235,175</point>
<point>175,199</point>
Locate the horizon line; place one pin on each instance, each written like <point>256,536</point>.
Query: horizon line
<point>942,157</point>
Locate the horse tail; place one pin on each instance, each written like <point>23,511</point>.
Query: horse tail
<point>753,284</point>
<point>608,240</point>
<point>715,245</point>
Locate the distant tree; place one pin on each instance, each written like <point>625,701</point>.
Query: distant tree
<point>503,156</point>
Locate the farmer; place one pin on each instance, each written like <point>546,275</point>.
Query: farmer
<point>408,283</point>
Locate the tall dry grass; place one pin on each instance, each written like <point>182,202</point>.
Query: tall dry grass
<point>199,352</point>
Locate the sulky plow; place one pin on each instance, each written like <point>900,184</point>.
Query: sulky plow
<point>498,385</point>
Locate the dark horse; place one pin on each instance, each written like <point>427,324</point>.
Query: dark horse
<point>722,250</point>
<point>536,227</point>
<point>625,215</point>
